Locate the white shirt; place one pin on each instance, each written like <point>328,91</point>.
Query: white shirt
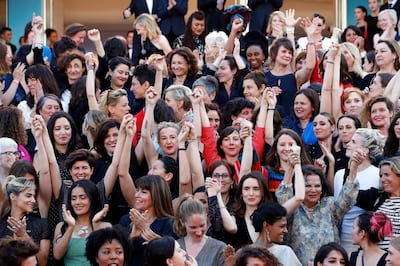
<point>150,5</point>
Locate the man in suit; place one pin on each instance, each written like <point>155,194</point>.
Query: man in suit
<point>171,17</point>
<point>260,11</point>
<point>214,14</point>
<point>392,4</point>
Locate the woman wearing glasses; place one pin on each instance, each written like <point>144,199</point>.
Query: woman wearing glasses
<point>8,155</point>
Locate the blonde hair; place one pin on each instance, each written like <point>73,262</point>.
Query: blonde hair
<point>372,140</point>
<point>271,17</point>
<point>150,62</point>
<point>16,185</point>
<point>392,14</point>
<point>357,67</point>
<point>150,24</point>
<point>180,93</point>
<point>110,98</point>
<point>216,38</point>
<point>187,207</point>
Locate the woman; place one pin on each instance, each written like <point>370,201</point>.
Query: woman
<point>369,228</point>
<point>107,246</point>
<point>251,193</point>
<point>385,201</point>
<point>115,103</point>
<point>165,251</point>
<point>317,219</point>
<point>20,221</point>
<point>392,144</point>
<point>91,123</point>
<point>352,34</point>
<point>353,57</point>
<point>379,84</point>
<point>47,105</point>
<point>256,50</point>
<point>252,254</point>
<point>18,252</point>
<point>346,126</point>
<point>195,34</point>
<point>152,216</point>
<point>178,98</point>
<point>352,101</point>
<point>71,66</point>
<point>275,28</point>
<point>270,221</point>
<point>305,108</point>
<point>215,40</point>
<point>190,226</point>
<point>254,85</point>
<point>151,39</point>
<point>371,143</point>
<point>387,20</point>
<point>184,67</point>
<point>82,215</point>
<point>378,112</point>
<point>331,254</point>
<point>393,256</point>
<point>277,158</point>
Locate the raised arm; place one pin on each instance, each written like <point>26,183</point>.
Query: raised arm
<point>125,180</point>
<point>18,75</point>
<point>237,27</point>
<point>246,132</point>
<point>95,37</point>
<point>37,28</point>
<point>193,155</point>
<point>90,82</point>
<point>61,240</point>
<point>185,184</point>
<point>290,22</point>
<point>270,110</point>
<point>326,90</point>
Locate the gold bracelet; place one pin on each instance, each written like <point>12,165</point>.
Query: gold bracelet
<point>15,81</point>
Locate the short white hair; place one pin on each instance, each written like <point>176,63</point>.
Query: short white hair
<point>7,142</point>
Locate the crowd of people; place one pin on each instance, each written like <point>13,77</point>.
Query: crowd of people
<point>203,142</point>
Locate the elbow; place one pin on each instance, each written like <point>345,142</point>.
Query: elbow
<point>231,229</point>
<point>300,198</point>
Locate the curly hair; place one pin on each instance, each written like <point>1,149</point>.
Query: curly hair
<point>12,125</point>
<point>189,57</point>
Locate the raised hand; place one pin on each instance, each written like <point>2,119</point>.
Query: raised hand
<point>246,129</point>
<point>18,227</point>
<point>94,35</point>
<point>37,24</point>
<point>67,216</point>
<point>159,63</point>
<point>308,26</point>
<point>197,96</point>
<point>294,155</point>
<point>37,127</point>
<point>271,97</point>
<point>100,215</point>
<point>290,21</point>
<point>19,72</point>
<point>151,96</point>
<point>213,186</point>
<point>237,25</point>
<point>184,132</point>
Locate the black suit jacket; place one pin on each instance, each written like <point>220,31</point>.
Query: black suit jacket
<point>260,11</point>
<point>172,20</point>
<point>139,7</point>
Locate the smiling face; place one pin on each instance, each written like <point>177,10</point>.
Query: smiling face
<point>179,65</point>
<point>120,109</point>
<point>196,226</point>
<point>397,128</point>
<point>390,180</point>
<point>284,56</point>
<point>255,57</point>
<point>80,201</point>
<point>221,173</point>
<point>385,21</point>
<point>49,107</point>
<point>277,230</point>
<point>74,70</point>
<point>303,108</point>
<point>110,141</point>
<point>62,131</point>
<point>250,90</point>
<point>346,129</point>
<point>198,26</point>
<point>24,201</point>
<point>380,115</point>
<point>110,253</point>
<point>251,192</point>
<point>8,156</point>
<point>353,104</point>
<point>284,147</point>
<point>231,144</point>
<point>224,72</point>
<point>81,170</point>
<point>143,199</point>
<point>168,141</point>
<point>313,190</point>
<point>383,55</point>
<point>322,127</point>
<point>79,37</point>
<point>119,75</point>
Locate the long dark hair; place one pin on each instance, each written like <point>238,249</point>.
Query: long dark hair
<point>188,38</point>
<point>392,142</point>
<point>102,134</point>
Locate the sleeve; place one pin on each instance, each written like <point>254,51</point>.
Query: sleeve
<point>254,3</point>
<point>367,198</point>
<point>214,215</point>
<point>284,193</point>
<point>44,229</point>
<point>210,154</point>
<point>259,140</point>
<point>346,200</point>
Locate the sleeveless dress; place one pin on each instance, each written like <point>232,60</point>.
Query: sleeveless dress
<point>75,254</point>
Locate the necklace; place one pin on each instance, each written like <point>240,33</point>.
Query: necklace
<point>83,231</point>
<point>262,243</point>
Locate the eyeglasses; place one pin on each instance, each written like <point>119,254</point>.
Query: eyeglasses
<point>219,176</point>
<point>9,153</point>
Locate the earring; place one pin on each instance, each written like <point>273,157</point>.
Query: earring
<point>268,237</point>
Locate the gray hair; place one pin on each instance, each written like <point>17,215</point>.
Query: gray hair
<point>164,124</point>
<point>372,140</point>
<point>180,93</point>
<point>208,82</point>
<point>7,142</point>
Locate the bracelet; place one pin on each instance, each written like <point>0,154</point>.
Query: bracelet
<point>289,30</point>
<point>329,62</point>
<point>90,67</point>
<point>270,109</point>
<point>15,81</point>
<point>189,140</point>
<point>222,207</point>
<point>181,149</point>
<point>311,43</point>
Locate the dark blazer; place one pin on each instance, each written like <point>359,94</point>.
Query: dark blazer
<point>396,7</point>
<point>172,20</point>
<point>214,16</point>
<point>139,7</point>
<point>261,9</point>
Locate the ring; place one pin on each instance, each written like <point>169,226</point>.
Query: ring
<point>13,227</point>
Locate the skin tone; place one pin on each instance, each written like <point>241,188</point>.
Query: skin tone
<point>179,256</point>
<point>277,26</point>
<point>81,170</point>
<point>214,119</point>
<point>322,128</point>
<point>221,173</point>
<point>245,113</point>
<point>251,193</point>
<point>158,168</point>
<point>349,58</point>
<point>393,257</point>
<point>22,203</point>
<point>141,30</point>
<point>30,261</point>
<point>50,106</point>
<point>9,57</point>
<point>80,201</point>
<point>174,104</point>
<point>180,67</point>
<point>251,91</point>
<point>79,37</point>
<point>374,7</point>
<point>252,261</point>
<point>196,227</point>
<point>397,128</point>
<point>139,90</point>
<point>385,21</point>
<point>110,253</point>
<point>346,129</point>
<point>255,57</point>
<point>6,160</point>
<point>380,115</point>
<point>313,190</point>
<point>74,70</point>
<point>198,27</point>
<point>225,74</point>
<point>119,76</point>
<point>284,148</point>
<point>231,145</point>
<point>168,141</point>
<point>277,230</point>
<point>334,258</point>
<point>303,109</point>
<point>353,104</point>
<point>62,133</point>
<point>284,56</point>
<point>376,88</point>
<point>390,181</point>
<point>367,66</point>
<point>110,141</point>
<point>120,109</point>
<point>144,200</point>
<point>384,58</point>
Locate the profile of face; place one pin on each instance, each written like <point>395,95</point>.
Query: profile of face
<point>170,100</point>
<point>53,37</point>
<point>9,56</point>
<point>179,257</point>
<point>346,129</point>
<point>198,26</point>
<point>376,88</point>
<point>158,168</point>
<point>24,201</point>
<point>393,257</point>
<point>110,141</point>
<point>141,30</point>
<point>79,38</point>
<point>367,66</point>
<point>111,253</point>
<point>231,144</point>
<point>203,198</point>
<point>196,226</point>
<point>359,14</point>
<point>62,131</point>
<point>251,192</point>
<point>397,128</point>
<point>355,143</point>
<point>334,258</point>
<point>215,120</point>
<point>353,104</point>
<point>80,201</point>
<point>120,109</point>
<point>323,129</point>
<point>74,70</point>
<point>168,141</point>
<point>81,170</point>
<point>356,233</point>
<point>49,107</point>
<point>139,90</point>
<point>385,21</point>
<point>277,230</point>
<point>251,91</point>
<point>390,180</point>
<point>119,76</point>
<point>313,190</point>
